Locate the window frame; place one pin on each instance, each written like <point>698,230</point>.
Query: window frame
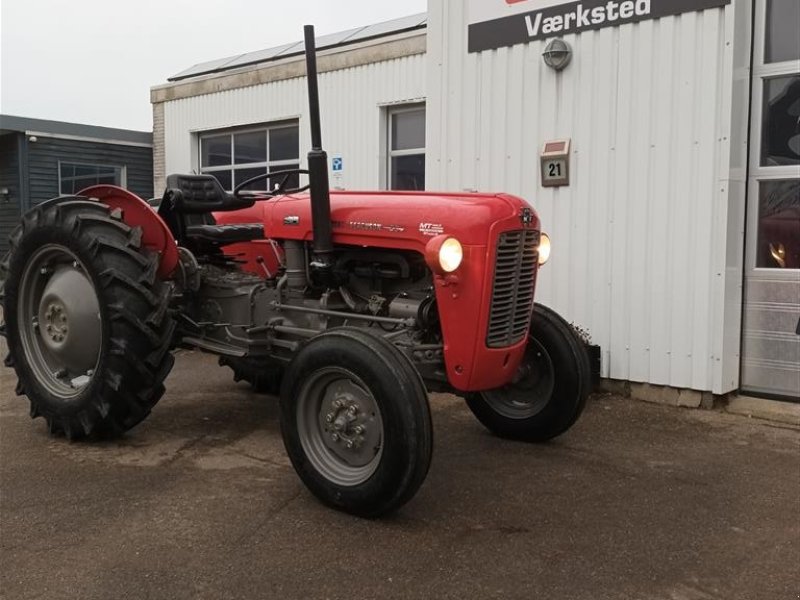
<point>761,72</point>
<point>232,132</point>
<point>391,111</point>
<point>123,173</point>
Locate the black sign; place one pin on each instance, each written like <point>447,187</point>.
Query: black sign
<point>574,17</point>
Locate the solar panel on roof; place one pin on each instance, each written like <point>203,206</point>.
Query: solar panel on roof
<point>325,41</point>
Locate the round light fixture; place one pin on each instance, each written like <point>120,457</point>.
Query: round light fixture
<point>557,54</point>
<point>544,249</point>
<point>444,254</point>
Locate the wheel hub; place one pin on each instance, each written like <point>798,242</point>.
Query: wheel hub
<point>530,389</point>
<point>340,426</point>
<point>60,322</point>
<point>69,319</point>
<point>347,426</point>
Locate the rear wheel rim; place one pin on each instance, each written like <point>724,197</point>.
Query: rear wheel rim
<point>532,388</point>
<point>340,426</point>
<point>59,321</point>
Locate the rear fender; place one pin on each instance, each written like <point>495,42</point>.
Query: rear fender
<point>156,236</point>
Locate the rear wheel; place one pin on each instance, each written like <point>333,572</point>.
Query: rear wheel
<point>86,319</point>
<point>550,389</point>
<point>356,422</point>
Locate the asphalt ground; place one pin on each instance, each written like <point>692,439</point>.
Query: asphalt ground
<point>637,501</point>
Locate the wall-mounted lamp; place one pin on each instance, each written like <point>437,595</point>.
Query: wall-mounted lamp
<point>33,139</point>
<point>557,54</point>
<point>5,195</point>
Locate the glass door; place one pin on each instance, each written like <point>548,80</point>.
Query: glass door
<point>771,336</point>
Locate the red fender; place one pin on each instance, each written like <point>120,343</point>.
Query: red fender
<point>156,236</point>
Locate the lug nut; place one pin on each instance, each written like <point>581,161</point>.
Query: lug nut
<point>329,418</point>
<point>349,444</point>
<point>359,429</point>
<point>335,437</point>
<point>353,410</point>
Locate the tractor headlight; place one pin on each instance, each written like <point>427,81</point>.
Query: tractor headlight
<point>450,255</point>
<point>444,254</point>
<point>544,249</point>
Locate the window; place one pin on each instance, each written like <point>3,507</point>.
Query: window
<point>74,177</point>
<point>782,41</point>
<point>406,168</point>
<point>235,156</point>
<point>780,127</point>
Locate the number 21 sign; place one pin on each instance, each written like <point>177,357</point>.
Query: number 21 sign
<point>555,163</point>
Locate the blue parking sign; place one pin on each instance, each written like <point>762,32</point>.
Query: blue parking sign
<point>337,164</point>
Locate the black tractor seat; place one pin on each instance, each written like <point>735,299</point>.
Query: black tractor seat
<point>226,234</point>
<point>187,210</point>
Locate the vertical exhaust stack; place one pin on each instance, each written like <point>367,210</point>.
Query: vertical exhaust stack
<point>317,164</point>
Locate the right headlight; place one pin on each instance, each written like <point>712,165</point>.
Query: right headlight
<point>544,249</point>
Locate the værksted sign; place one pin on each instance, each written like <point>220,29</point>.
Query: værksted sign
<point>491,25</point>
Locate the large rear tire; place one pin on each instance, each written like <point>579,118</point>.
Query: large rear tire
<point>86,316</point>
<point>356,422</point>
<point>550,390</point>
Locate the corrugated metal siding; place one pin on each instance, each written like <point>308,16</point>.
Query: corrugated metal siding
<point>9,178</point>
<point>45,154</point>
<point>638,255</point>
<point>352,115</point>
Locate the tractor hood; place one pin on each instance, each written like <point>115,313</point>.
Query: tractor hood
<point>396,218</point>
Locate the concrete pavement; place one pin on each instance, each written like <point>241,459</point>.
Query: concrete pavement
<point>636,502</point>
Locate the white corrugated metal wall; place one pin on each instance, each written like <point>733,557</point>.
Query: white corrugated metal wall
<point>352,102</point>
<point>642,234</point>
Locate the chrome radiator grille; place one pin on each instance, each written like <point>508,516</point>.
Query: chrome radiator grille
<point>512,293</point>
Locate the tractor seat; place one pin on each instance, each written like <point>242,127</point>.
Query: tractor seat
<point>226,234</point>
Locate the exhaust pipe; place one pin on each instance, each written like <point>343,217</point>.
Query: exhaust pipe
<point>317,164</point>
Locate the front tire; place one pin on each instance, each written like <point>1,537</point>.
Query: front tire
<point>356,422</point>
<point>86,319</point>
<point>551,388</point>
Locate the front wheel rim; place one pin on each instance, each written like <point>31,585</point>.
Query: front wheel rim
<point>340,426</point>
<point>59,321</point>
<point>532,388</point>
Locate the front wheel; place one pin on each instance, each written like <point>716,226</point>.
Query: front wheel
<point>550,389</point>
<point>356,422</point>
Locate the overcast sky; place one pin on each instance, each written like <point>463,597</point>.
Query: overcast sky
<point>94,61</point>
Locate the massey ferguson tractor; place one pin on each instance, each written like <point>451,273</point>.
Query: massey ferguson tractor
<point>349,306</point>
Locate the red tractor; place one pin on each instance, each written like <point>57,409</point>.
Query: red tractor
<point>351,307</point>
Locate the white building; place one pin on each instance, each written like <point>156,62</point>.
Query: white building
<point>677,239</point>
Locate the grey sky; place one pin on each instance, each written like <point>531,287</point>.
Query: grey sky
<point>93,61</point>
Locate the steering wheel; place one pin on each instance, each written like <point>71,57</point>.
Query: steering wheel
<point>280,189</point>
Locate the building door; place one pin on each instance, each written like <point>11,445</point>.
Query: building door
<point>771,344</point>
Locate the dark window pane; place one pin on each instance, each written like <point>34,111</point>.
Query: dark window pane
<point>215,151</point>
<point>779,224</point>
<point>408,172</point>
<point>67,170</point>
<point>242,175</point>
<point>781,122</point>
<point>224,178</point>
<point>291,182</point>
<point>85,170</point>
<point>250,147</point>
<point>783,31</point>
<point>68,186</point>
<point>284,143</point>
<point>408,130</point>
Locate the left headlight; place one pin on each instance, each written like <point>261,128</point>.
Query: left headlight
<point>544,249</point>
<point>450,255</point>
<point>444,254</point>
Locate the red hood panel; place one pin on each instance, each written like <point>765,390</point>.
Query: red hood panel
<point>397,218</point>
